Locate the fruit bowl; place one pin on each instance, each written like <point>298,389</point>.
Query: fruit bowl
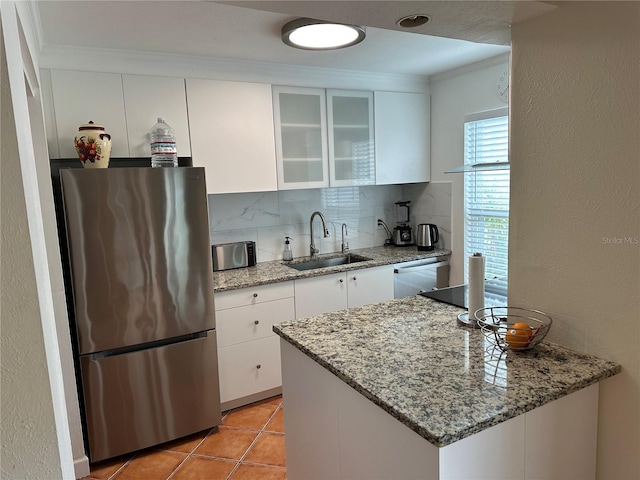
<point>513,328</point>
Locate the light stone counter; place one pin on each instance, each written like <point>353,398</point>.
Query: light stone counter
<point>278,271</point>
<point>443,381</point>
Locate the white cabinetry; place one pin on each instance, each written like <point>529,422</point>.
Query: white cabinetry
<point>323,294</point>
<point>301,137</point>
<point>127,105</point>
<point>232,135</point>
<point>351,149</point>
<point>402,138</point>
<point>337,291</point>
<point>323,137</point>
<point>371,285</point>
<point>248,350</point>
<point>335,432</point>
<point>80,97</point>
<point>148,98</point>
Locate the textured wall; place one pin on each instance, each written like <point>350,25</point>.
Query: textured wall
<point>575,198</point>
<point>28,431</point>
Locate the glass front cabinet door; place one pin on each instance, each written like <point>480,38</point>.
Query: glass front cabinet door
<point>323,137</point>
<point>351,142</point>
<point>301,137</point>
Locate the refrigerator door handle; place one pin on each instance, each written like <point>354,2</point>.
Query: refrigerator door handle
<point>147,346</point>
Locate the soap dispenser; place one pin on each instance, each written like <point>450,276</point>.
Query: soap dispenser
<point>287,254</point>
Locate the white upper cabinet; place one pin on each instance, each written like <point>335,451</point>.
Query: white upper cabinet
<point>148,98</point>
<point>232,135</point>
<point>80,97</point>
<point>127,105</point>
<point>402,136</point>
<point>351,148</point>
<point>301,137</point>
<point>323,137</point>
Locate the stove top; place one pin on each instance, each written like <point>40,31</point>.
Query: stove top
<point>459,295</point>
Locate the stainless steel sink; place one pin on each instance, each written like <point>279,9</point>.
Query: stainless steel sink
<point>328,262</point>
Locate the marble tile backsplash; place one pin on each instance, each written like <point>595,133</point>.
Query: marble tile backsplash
<point>267,217</point>
<point>431,203</point>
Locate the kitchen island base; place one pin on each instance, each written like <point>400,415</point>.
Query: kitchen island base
<point>334,432</point>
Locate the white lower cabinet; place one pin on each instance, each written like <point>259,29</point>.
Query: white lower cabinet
<point>317,295</point>
<point>329,293</point>
<point>246,369</point>
<point>335,432</point>
<point>248,350</point>
<point>371,285</point>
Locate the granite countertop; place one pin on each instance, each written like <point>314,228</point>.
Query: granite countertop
<point>278,271</point>
<point>444,381</point>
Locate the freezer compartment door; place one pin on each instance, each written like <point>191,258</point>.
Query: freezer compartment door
<point>146,397</point>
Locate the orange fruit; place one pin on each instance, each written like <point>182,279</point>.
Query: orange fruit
<point>519,335</point>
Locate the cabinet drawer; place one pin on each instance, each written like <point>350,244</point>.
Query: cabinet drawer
<point>251,322</point>
<point>253,295</point>
<point>249,368</point>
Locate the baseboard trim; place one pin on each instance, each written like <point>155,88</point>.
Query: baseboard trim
<point>81,466</point>
<point>256,397</point>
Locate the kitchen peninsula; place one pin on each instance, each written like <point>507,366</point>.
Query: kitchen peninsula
<point>398,390</point>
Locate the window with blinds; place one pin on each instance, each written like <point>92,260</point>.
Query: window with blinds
<point>486,196</point>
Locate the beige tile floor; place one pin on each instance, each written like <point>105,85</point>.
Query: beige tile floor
<point>248,445</point>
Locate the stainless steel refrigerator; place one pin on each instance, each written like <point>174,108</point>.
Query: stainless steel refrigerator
<point>142,281</point>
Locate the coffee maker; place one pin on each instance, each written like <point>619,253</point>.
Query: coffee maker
<point>402,235</point>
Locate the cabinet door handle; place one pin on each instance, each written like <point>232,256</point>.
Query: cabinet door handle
<point>341,280</point>
<point>255,295</point>
<point>355,278</point>
<point>256,322</point>
<point>258,366</point>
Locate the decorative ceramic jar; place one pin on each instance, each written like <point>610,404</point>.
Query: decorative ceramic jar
<point>93,145</point>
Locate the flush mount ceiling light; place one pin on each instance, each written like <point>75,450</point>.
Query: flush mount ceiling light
<point>311,34</point>
<point>412,21</point>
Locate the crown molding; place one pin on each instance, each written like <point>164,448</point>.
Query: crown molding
<point>189,66</point>
<point>472,67</point>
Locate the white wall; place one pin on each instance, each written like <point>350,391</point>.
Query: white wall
<point>575,198</point>
<point>453,95</point>
<point>35,433</point>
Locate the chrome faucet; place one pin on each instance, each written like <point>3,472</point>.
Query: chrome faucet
<point>388,240</point>
<point>312,247</point>
<point>345,245</point>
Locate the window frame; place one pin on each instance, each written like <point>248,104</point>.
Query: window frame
<point>487,177</point>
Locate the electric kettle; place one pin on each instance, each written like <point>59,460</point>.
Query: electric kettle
<point>427,236</point>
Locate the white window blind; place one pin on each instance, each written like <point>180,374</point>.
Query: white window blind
<point>486,197</point>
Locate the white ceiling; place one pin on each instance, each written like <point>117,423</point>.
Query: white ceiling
<point>250,30</point>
